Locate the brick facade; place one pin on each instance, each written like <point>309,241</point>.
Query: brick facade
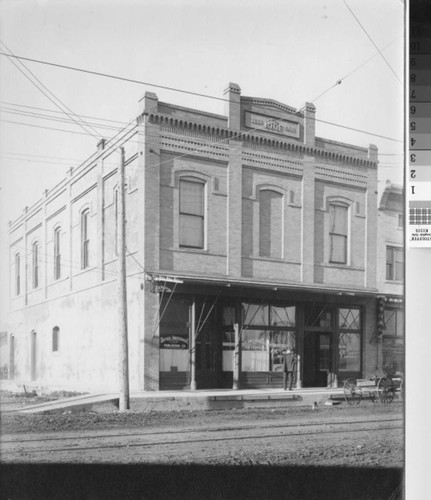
<point>258,146</point>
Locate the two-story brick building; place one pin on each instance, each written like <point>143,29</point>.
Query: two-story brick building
<point>246,234</point>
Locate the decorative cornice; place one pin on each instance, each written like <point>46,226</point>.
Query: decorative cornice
<point>273,103</point>
<point>228,134</point>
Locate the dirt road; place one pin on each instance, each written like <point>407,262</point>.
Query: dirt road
<point>369,435</point>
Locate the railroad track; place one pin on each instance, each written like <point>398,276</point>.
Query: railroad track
<point>81,442</point>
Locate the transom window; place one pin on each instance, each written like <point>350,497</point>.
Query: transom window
<point>394,263</point>
<point>85,242</point>
<point>338,233</point>
<point>192,213</point>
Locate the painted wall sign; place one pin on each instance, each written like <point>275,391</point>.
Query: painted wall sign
<point>282,127</point>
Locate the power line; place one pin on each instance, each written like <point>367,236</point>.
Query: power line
<point>339,81</point>
<point>50,95</point>
<point>140,82</point>
<point>55,111</point>
<point>372,41</point>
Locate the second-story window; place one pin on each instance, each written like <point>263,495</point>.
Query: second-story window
<point>192,213</point>
<point>35,263</point>
<point>17,274</point>
<point>57,254</point>
<point>85,242</point>
<point>338,233</point>
<point>394,263</point>
<point>270,224</point>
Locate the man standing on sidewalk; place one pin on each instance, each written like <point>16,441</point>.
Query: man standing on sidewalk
<point>289,363</point>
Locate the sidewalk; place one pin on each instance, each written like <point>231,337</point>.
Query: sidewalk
<point>210,399</point>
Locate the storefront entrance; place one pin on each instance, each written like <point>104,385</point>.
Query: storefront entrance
<point>317,358</point>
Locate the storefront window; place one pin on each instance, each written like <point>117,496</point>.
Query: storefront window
<point>255,351</point>
<point>279,342</point>
<point>349,352</point>
<point>228,320</point>
<point>174,336</point>
<point>394,322</point>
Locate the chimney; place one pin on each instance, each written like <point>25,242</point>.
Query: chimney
<point>372,152</point>
<point>232,94</point>
<point>309,124</point>
<point>150,102</point>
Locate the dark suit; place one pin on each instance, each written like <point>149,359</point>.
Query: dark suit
<point>289,363</point>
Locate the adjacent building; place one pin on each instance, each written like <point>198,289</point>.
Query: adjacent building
<point>391,267</point>
<point>246,234</point>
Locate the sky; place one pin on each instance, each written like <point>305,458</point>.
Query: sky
<point>290,51</point>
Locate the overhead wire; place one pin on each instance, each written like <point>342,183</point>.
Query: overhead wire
<point>140,82</point>
<point>372,41</point>
<point>50,95</point>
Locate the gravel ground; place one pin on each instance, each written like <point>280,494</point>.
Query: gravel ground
<point>256,453</point>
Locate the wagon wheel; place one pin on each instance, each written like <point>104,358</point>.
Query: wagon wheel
<point>386,390</point>
<point>352,392</point>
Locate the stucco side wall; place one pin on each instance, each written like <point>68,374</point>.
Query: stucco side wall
<point>87,356</point>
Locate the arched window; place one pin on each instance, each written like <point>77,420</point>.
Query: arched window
<point>270,224</point>
<point>192,213</point>
<point>85,241</point>
<point>35,264</point>
<point>57,253</point>
<point>17,274</point>
<point>55,338</point>
<point>338,233</point>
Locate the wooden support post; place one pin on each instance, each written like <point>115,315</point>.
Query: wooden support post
<point>236,358</point>
<point>193,345</point>
<point>124,399</point>
<point>298,372</point>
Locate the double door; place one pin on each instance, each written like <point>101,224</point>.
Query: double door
<point>317,358</point>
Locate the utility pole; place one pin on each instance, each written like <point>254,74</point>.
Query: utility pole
<point>124,400</point>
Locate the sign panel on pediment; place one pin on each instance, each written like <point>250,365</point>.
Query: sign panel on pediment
<point>270,124</point>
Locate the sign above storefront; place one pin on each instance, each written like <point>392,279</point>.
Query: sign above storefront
<point>275,125</point>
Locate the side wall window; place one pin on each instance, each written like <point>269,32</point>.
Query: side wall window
<point>55,338</point>
<point>270,224</point>
<point>394,263</point>
<point>57,253</point>
<point>338,233</point>
<point>35,264</point>
<point>192,213</point>
<point>85,242</point>
<point>17,274</point>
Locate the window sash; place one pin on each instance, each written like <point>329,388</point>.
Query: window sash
<point>17,274</point>
<point>338,234</point>
<point>192,214</point>
<point>85,242</point>
<point>192,198</point>
<point>35,266</point>
<point>338,251</point>
<point>394,263</point>
<point>270,224</point>
<point>57,255</point>
<point>191,231</point>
